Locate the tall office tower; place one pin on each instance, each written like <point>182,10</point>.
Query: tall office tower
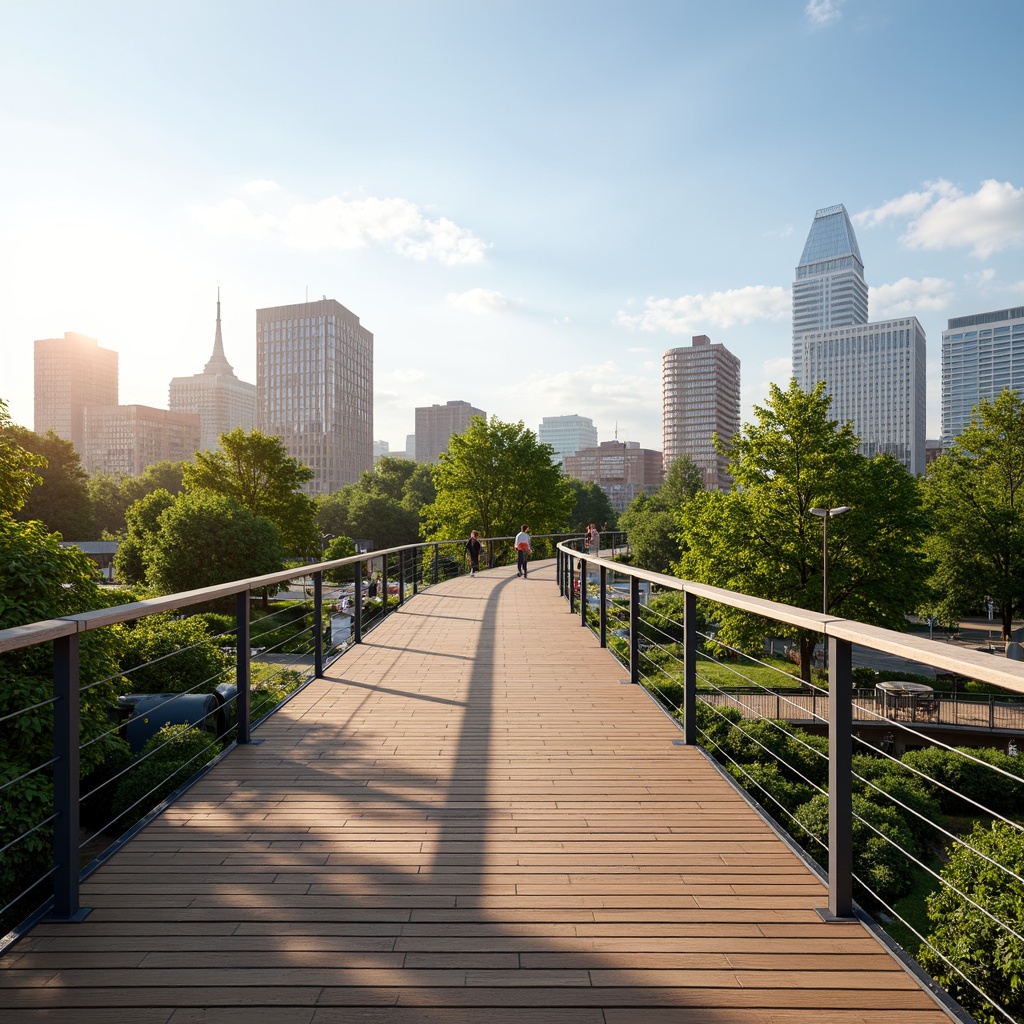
<point>314,388</point>
<point>435,425</point>
<point>982,355</point>
<point>622,469</point>
<point>71,373</point>
<point>567,435</point>
<point>128,438</point>
<point>875,372</point>
<point>700,397</point>
<point>217,396</point>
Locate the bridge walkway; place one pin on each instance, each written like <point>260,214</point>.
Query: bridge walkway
<point>471,819</point>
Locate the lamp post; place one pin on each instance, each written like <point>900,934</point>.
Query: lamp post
<point>825,514</point>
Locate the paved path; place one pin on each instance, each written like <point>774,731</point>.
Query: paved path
<point>471,820</point>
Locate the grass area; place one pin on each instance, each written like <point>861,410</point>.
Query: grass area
<point>913,909</point>
<point>741,674</point>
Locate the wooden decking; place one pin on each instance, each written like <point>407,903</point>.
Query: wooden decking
<point>471,819</point>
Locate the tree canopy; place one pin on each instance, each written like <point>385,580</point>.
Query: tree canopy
<point>651,521</point>
<point>591,506</point>
<point>256,471</point>
<point>762,539</point>
<point>17,466</point>
<point>975,495</point>
<point>61,500</point>
<point>110,495</point>
<point>494,477</point>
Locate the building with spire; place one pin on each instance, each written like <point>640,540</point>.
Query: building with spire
<point>874,372</point>
<point>217,396</point>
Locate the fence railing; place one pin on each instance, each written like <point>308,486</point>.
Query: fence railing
<point>235,676</point>
<point>879,826</point>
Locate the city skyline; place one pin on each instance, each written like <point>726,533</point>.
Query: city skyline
<point>544,237</point>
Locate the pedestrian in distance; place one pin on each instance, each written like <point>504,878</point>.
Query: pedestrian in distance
<point>523,549</point>
<point>473,547</point>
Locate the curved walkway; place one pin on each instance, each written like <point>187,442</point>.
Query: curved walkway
<point>471,819</point>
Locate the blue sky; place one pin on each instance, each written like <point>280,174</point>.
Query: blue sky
<point>526,203</point>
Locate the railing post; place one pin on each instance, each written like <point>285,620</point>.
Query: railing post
<point>560,579</point>
<point>602,611</point>
<point>401,578</point>
<point>840,781</point>
<point>583,591</point>
<point>384,589</point>
<point>357,618</point>
<point>66,788</point>
<point>689,669</point>
<point>243,703</point>
<point>417,565</point>
<point>435,564</point>
<point>634,629</point>
<point>572,589</point>
<point>318,629</point>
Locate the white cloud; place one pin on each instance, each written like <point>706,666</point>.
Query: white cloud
<point>982,278</point>
<point>691,314</point>
<point>943,216</point>
<point>907,297</point>
<point>822,12</point>
<point>335,223</point>
<point>479,300</point>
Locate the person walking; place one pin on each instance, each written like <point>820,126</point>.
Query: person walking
<point>522,550</point>
<point>473,547</point>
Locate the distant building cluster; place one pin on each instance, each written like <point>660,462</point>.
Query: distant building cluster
<point>314,388</point>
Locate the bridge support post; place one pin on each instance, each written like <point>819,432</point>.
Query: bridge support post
<point>66,784</point>
<point>634,629</point>
<point>318,629</point>
<point>690,669</point>
<point>243,703</point>
<point>357,595</point>
<point>840,782</point>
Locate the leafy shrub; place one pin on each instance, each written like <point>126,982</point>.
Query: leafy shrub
<point>170,757</point>
<point>167,655</point>
<point>799,753</point>
<point>986,953</point>
<point>963,774</point>
<point>898,783</point>
<point>770,787</point>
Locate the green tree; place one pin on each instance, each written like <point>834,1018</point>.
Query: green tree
<point>203,539</point>
<point>108,503</point>
<point>61,501</point>
<point>340,547</point>
<point>963,932</point>
<point>977,542</point>
<point>762,539</point>
<point>161,654</point>
<point>142,523</point>
<point>17,466</point>
<point>257,472</point>
<point>590,505</point>
<point>494,477</point>
<point>651,521</point>
<point>163,476</point>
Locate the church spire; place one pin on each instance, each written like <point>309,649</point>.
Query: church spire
<point>218,361</point>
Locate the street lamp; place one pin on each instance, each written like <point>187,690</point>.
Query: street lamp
<point>825,514</point>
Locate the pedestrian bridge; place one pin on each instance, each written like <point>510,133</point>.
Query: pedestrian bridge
<point>470,817</point>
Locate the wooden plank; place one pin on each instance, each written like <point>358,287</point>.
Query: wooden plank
<point>468,819</point>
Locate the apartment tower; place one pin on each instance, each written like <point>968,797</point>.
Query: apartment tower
<point>435,425</point>
<point>982,355</point>
<point>567,435</point>
<point>314,388</point>
<point>71,373</point>
<point>700,394</point>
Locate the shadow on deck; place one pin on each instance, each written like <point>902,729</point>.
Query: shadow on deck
<point>470,819</point>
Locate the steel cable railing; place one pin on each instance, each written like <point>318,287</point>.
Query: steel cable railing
<point>896,815</point>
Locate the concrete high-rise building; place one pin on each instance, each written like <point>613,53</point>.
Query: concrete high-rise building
<point>128,438</point>
<point>982,355</point>
<point>71,373</point>
<point>314,388</point>
<point>700,395</point>
<point>435,425</point>
<point>874,372</point>
<point>567,435</point>
<point>221,401</point>
<point>622,469</point>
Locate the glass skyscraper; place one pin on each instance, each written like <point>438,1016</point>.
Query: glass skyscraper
<point>874,372</point>
<point>982,355</point>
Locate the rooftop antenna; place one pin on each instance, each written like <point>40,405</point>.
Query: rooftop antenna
<point>307,293</point>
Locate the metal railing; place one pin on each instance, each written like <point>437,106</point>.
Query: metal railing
<point>744,719</point>
<point>301,643</point>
